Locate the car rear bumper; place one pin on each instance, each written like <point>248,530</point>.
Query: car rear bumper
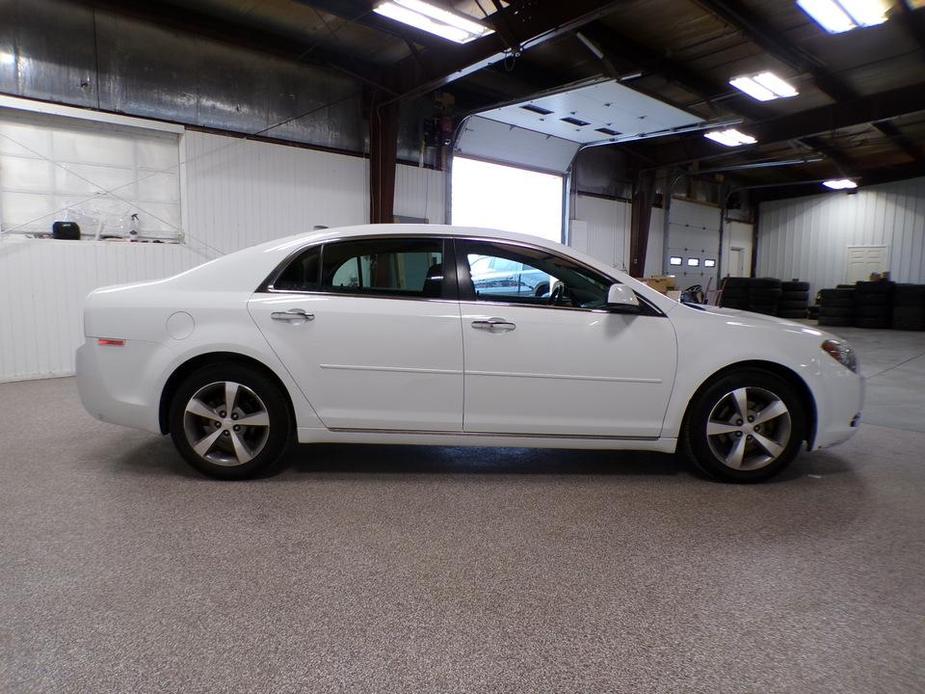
<point>110,385</point>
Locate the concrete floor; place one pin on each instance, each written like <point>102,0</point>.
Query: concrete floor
<point>400,569</point>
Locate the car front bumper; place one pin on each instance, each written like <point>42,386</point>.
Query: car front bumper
<point>839,406</point>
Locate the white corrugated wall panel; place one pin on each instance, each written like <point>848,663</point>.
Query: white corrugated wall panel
<point>42,287</point>
<point>240,192</point>
<point>608,228</point>
<point>420,193</point>
<point>237,193</point>
<point>808,237</point>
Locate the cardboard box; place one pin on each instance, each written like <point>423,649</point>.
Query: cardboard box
<point>661,283</point>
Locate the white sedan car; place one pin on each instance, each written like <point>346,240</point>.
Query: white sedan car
<point>389,334</point>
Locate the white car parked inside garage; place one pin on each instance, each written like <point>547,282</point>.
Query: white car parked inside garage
<point>413,334</point>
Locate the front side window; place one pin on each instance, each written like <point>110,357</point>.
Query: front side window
<point>532,276</point>
<point>410,268</point>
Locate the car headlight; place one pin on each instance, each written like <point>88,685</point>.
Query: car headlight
<point>842,352</point>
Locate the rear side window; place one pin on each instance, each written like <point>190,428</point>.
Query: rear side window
<point>302,274</point>
<point>384,267</point>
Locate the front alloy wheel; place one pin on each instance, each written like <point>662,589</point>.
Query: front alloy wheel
<point>749,428</point>
<point>745,426</point>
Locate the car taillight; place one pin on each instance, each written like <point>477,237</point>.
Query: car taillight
<point>110,342</point>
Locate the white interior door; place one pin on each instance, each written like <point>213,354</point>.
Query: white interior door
<point>864,260</point>
<point>736,262</point>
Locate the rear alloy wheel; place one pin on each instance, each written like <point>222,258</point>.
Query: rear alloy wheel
<point>745,427</point>
<point>226,423</point>
<point>230,421</point>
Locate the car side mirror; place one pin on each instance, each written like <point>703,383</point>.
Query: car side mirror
<point>622,299</point>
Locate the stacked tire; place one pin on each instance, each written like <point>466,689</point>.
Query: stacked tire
<point>764,295</point>
<point>873,304</point>
<point>909,307</point>
<point>836,307</point>
<point>735,293</point>
<point>794,299</point>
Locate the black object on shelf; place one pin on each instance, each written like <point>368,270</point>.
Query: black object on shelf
<point>67,231</point>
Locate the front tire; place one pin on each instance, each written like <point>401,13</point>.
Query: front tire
<point>230,421</point>
<point>745,426</point>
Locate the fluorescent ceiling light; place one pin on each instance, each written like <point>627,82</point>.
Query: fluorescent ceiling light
<point>731,137</point>
<point>840,184</point>
<point>780,87</point>
<point>764,86</point>
<point>752,88</point>
<point>836,16</point>
<point>865,13</point>
<point>432,19</point>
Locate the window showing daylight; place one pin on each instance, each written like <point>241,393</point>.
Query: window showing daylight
<point>108,182</point>
<point>508,198</point>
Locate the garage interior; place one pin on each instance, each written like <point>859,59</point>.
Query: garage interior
<point>730,144</point>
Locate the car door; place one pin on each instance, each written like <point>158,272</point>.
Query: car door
<point>369,328</point>
<point>557,362</point>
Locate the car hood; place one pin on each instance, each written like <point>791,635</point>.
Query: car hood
<point>756,318</point>
<point>757,324</point>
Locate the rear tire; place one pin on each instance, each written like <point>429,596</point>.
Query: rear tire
<point>242,438</point>
<point>725,450</point>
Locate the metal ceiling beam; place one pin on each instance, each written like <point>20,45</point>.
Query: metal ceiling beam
<point>841,160</point>
<point>747,23</point>
<point>517,27</point>
<point>619,48</point>
<point>523,25</point>
<point>823,119</point>
<point>753,27</point>
<point>913,21</point>
<point>869,177</point>
<point>361,12</point>
<point>901,140</point>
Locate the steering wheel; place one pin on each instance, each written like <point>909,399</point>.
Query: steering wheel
<point>557,295</point>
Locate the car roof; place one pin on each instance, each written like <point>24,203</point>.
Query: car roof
<point>336,233</point>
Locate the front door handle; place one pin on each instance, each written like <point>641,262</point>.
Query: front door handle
<point>495,325</point>
<point>293,315</point>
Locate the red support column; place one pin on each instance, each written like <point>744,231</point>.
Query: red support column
<point>383,149</point>
<point>643,197</point>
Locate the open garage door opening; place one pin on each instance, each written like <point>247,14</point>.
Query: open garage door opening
<point>506,197</point>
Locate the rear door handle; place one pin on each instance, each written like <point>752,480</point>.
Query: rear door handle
<point>293,315</point>
<point>495,325</point>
